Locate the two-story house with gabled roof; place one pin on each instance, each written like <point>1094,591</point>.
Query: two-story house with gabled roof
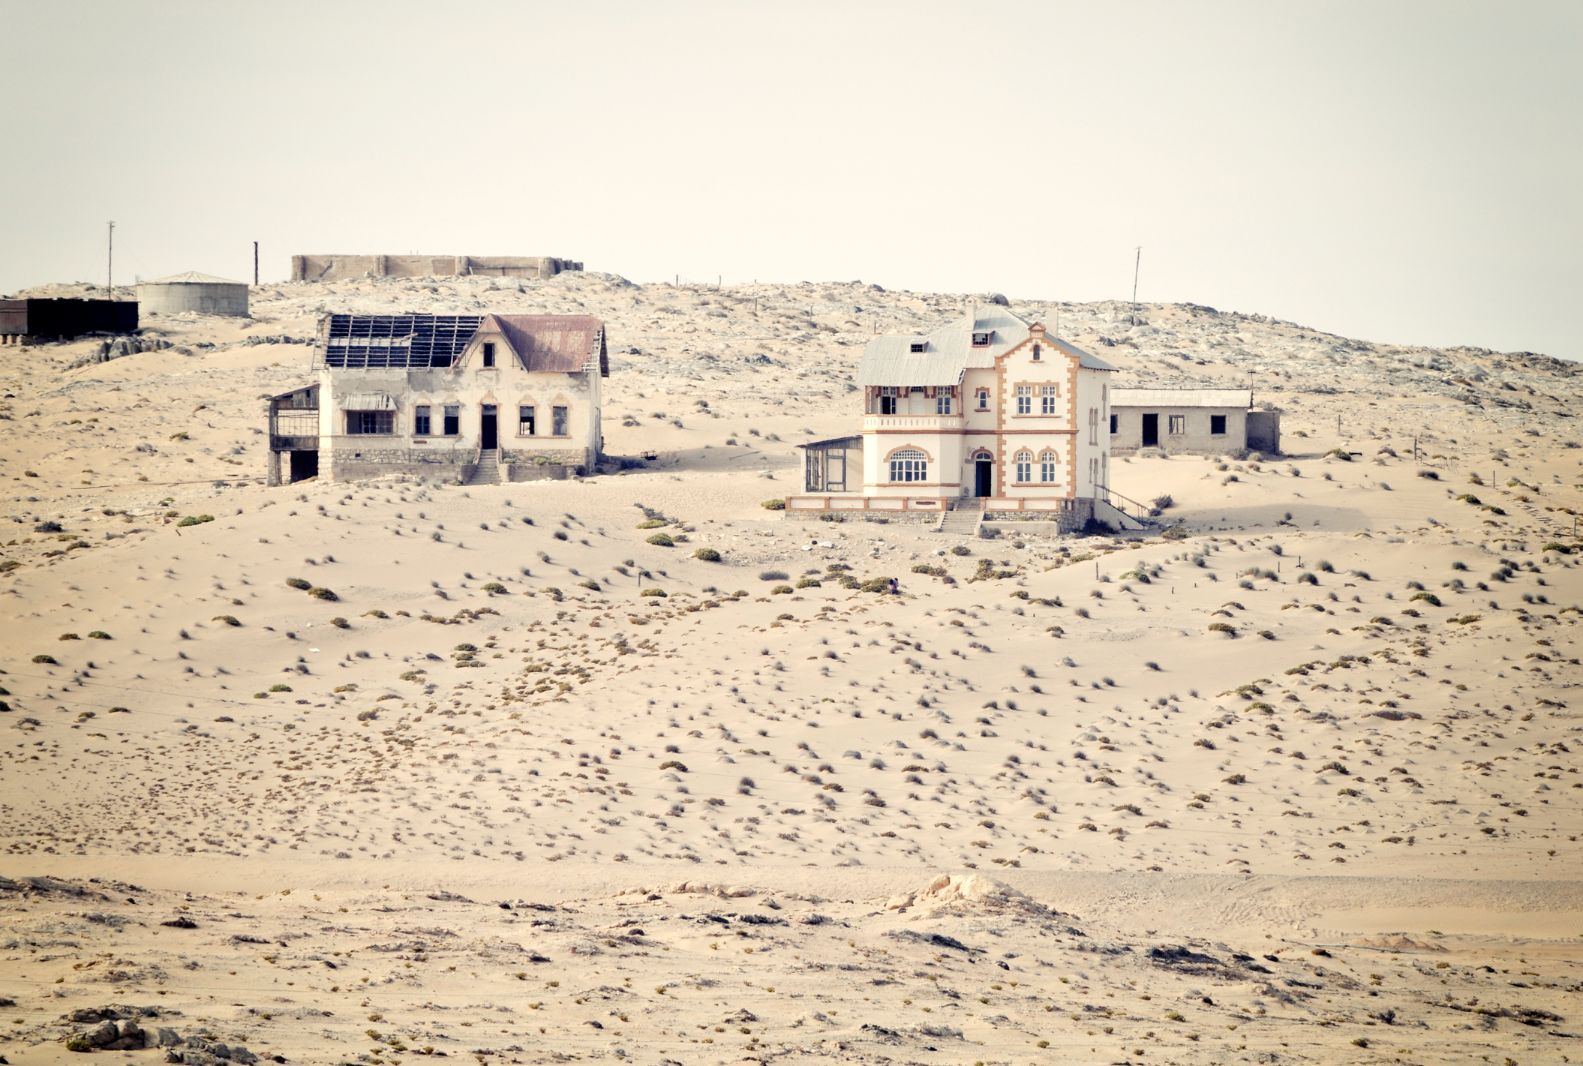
<point>988,411</point>
<point>459,398</point>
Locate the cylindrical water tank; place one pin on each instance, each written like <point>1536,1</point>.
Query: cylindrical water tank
<point>203,293</point>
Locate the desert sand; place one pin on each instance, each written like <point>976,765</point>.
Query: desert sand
<point>1292,777</point>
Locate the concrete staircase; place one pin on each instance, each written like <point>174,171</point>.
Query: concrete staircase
<point>487,472</point>
<point>962,520</point>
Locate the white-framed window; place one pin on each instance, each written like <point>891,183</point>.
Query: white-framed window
<point>1047,466</point>
<point>1176,425</point>
<point>887,399</point>
<point>909,464</point>
<point>983,399</point>
<point>526,420</point>
<point>1025,399</point>
<point>942,402</point>
<point>1024,461</point>
<point>1048,395</point>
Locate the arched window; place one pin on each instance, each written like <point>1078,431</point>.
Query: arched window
<point>1047,466</point>
<point>909,464</point>
<point>1024,460</point>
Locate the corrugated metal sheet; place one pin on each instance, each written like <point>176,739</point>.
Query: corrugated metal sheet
<point>368,401</point>
<point>1230,398</point>
<point>555,343</point>
<point>949,351</point>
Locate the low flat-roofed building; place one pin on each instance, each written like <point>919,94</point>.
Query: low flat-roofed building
<point>1190,422</point>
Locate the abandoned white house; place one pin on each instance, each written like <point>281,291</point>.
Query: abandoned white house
<point>475,399</point>
<point>1191,422</point>
<point>989,411</point>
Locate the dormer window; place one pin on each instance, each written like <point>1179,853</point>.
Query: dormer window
<point>917,346</point>
<point>489,354</point>
<point>980,340</point>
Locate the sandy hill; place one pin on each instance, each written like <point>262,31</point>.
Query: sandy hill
<point>1295,783</point>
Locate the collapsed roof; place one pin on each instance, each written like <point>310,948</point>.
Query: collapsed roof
<point>554,343</point>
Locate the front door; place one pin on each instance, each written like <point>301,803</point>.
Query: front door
<point>983,477</point>
<point>1151,431</point>
<point>487,438</point>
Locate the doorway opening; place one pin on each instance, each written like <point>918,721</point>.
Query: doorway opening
<point>487,437</point>
<point>983,477</point>
<point>1151,430</point>
<point>304,465</point>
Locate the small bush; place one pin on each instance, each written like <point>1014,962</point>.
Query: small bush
<point>651,523</point>
<point>774,505</point>
<point>495,588</point>
<point>196,520</point>
<point>781,590</point>
<point>340,623</point>
<point>662,540</point>
<point>226,619</point>
<point>1428,597</point>
<point>773,575</point>
<point>45,660</point>
<point>808,583</point>
<point>323,594</point>
<point>657,593</point>
<point>1223,627</point>
<point>68,636</point>
<point>708,555</point>
<point>877,584</point>
<point>673,764</point>
<point>298,583</point>
<point>99,634</point>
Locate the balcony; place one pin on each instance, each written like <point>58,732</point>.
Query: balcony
<point>921,423</point>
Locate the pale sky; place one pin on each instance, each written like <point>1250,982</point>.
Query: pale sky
<point>1393,171</point>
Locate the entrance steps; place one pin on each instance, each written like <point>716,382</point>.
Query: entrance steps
<point>962,520</point>
<point>487,472</point>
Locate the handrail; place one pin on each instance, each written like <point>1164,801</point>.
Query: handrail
<point>1143,509</point>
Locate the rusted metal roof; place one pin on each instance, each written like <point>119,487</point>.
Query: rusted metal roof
<point>562,344</point>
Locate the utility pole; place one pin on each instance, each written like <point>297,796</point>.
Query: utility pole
<point>109,265</point>
<point>1137,264</point>
<point>255,264</point>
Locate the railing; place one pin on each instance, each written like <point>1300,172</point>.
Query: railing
<point>1143,510</point>
<point>921,422</point>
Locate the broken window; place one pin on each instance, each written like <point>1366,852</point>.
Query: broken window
<point>558,419</point>
<point>525,421</point>
<point>359,423</point>
<point>1048,394</point>
<point>420,420</point>
<point>1176,424</point>
<point>453,420</point>
<point>1115,424</point>
<point>489,353</point>
<point>1217,425</point>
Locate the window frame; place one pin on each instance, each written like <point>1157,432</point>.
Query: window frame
<point>983,399</point>
<point>370,423</point>
<point>1175,425</point>
<point>451,426</point>
<point>530,420</point>
<point>1049,397</point>
<point>1219,420</point>
<point>489,355</point>
<point>1024,398</point>
<point>907,466</point>
<point>1022,464</point>
<point>942,402</point>
<point>421,420</point>
<point>560,420</point>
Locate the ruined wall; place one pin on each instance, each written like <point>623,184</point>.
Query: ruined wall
<point>344,267</point>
